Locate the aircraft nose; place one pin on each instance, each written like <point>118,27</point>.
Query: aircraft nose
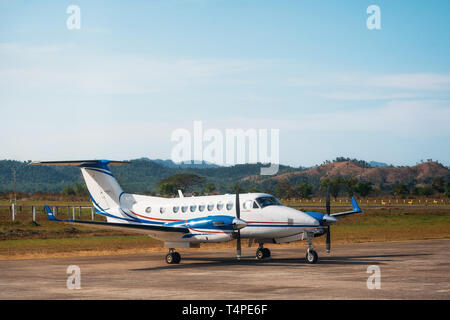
<point>327,219</point>
<point>239,224</point>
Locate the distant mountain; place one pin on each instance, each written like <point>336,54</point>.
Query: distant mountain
<point>382,177</point>
<point>192,164</point>
<point>142,175</point>
<point>378,164</point>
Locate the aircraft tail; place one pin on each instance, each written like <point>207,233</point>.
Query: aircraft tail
<point>103,188</point>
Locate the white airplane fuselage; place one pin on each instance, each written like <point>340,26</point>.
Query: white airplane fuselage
<point>185,222</point>
<point>269,223</point>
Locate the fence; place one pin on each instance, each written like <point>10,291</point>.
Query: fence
<point>370,201</point>
<point>15,212</point>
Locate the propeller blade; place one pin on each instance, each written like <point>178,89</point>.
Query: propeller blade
<point>327,202</point>
<point>238,207</point>
<point>328,240</point>
<point>238,245</point>
<point>238,215</point>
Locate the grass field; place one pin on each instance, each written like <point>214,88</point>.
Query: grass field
<point>22,239</point>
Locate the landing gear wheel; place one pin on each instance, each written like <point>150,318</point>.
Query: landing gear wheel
<point>173,257</point>
<point>177,257</point>
<point>311,257</point>
<point>259,254</point>
<point>262,253</point>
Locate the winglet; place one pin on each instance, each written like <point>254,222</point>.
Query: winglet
<point>50,214</point>
<point>355,206</point>
<point>355,209</point>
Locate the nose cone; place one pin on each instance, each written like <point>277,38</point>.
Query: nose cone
<point>322,218</point>
<point>327,219</point>
<point>239,224</point>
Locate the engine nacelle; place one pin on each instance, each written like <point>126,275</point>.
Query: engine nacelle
<point>211,228</point>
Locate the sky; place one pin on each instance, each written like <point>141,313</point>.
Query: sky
<point>134,72</point>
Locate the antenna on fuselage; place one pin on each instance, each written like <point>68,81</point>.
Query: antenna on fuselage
<point>180,194</point>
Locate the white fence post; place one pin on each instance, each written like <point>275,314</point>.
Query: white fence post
<point>92,212</point>
<point>13,211</point>
<point>33,208</point>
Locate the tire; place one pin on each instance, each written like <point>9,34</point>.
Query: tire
<point>260,254</point>
<point>311,257</point>
<point>266,252</point>
<point>177,257</point>
<point>170,258</point>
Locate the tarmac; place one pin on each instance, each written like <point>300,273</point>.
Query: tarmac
<point>390,270</point>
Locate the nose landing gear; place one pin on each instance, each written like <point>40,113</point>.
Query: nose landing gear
<point>173,257</point>
<point>311,255</point>
<point>262,253</point>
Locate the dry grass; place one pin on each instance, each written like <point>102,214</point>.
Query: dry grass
<point>23,240</point>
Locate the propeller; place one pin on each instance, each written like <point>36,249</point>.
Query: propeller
<point>238,216</point>
<point>328,241</point>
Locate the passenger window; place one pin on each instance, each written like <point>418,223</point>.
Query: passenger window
<point>229,205</point>
<point>148,209</point>
<point>210,207</point>
<point>201,207</point>
<point>184,208</point>
<point>193,208</point>
<point>248,204</point>
<point>175,209</point>
<point>220,206</point>
<point>162,209</point>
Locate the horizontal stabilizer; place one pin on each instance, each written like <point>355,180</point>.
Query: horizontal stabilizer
<point>78,162</point>
<point>109,225</point>
<point>50,214</point>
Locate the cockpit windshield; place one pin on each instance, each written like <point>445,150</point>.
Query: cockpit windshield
<point>268,201</point>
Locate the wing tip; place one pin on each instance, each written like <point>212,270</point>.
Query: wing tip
<point>355,206</point>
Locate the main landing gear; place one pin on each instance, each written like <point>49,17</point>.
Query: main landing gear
<point>262,253</point>
<point>173,257</point>
<point>311,255</point>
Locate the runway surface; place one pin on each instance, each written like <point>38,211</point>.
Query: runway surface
<point>409,270</point>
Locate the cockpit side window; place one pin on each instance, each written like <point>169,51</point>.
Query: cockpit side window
<point>248,204</point>
<point>268,201</point>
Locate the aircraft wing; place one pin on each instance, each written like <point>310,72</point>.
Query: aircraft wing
<point>138,228</point>
<point>355,209</point>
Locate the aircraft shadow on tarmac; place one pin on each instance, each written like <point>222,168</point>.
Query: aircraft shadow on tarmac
<point>286,262</point>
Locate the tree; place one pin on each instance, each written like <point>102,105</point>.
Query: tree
<point>400,189</point>
<point>80,189</point>
<point>182,181</point>
<point>304,190</point>
<point>284,190</point>
<point>238,188</point>
<point>68,190</point>
<point>349,185</point>
<point>168,188</point>
<point>423,191</point>
<point>210,187</point>
<point>363,188</point>
<point>332,185</point>
<point>447,189</point>
<point>438,184</point>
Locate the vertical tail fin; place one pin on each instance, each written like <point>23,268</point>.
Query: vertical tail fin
<point>103,188</point>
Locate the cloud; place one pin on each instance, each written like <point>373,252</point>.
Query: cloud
<point>355,87</point>
<point>409,118</point>
<point>66,68</point>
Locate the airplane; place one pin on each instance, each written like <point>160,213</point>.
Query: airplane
<point>185,222</point>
